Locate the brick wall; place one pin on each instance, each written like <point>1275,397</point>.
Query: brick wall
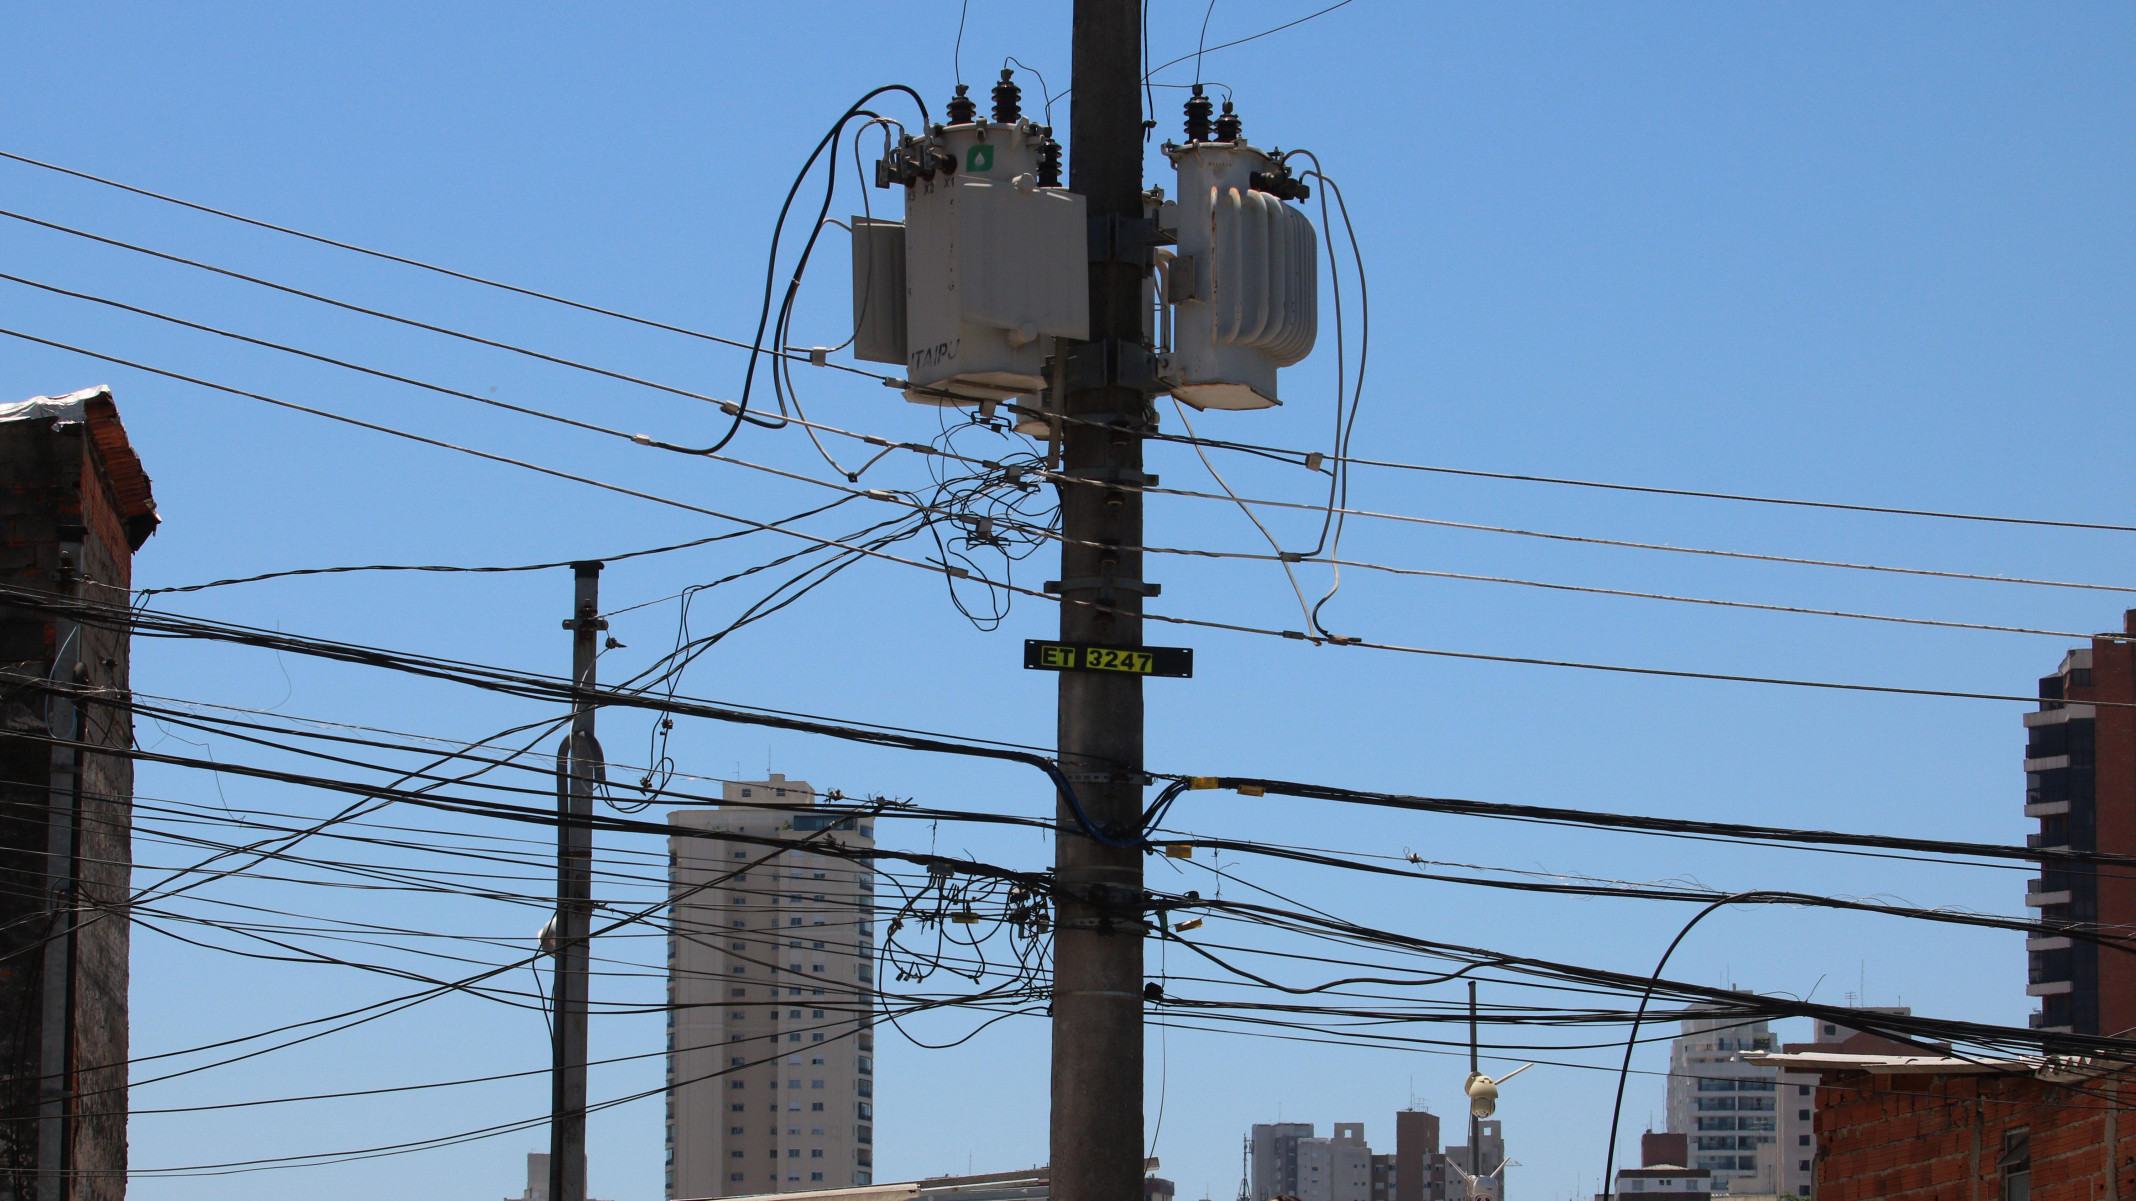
<point>1938,1138</point>
<point>53,481</point>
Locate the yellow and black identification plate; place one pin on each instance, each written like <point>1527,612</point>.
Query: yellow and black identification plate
<point>1173,661</point>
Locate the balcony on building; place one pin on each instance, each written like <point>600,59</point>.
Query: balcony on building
<point>2037,895</point>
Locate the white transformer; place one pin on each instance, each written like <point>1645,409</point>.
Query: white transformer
<point>994,266</point>
<point>1243,282</point>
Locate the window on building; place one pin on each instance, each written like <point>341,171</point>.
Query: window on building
<point>1802,1140</point>
<point>816,1106</point>
<point>736,1107</point>
<point>815,1176</point>
<point>2015,1165</point>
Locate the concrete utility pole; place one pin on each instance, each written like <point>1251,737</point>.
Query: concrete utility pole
<point>55,1084</point>
<point>1097,942</point>
<point>577,764</point>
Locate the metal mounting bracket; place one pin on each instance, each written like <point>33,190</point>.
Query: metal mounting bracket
<point>1112,363</point>
<point>1118,239</point>
<point>1103,584</point>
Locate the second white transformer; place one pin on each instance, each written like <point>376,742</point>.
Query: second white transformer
<point>1243,285</point>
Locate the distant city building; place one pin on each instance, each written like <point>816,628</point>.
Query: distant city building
<point>1420,1170</point>
<point>1286,1159</point>
<point>1664,1180</point>
<point>537,1178</point>
<point>1337,1168</point>
<point>1661,1171</point>
<point>1274,1159</point>
<point>2080,782</point>
<point>771,968</point>
<point>1485,1165</point>
<point>1290,1161</point>
<point>1383,1170</point>
<point>1663,1146</point>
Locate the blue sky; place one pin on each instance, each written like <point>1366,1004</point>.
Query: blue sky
<point>1868,253</point>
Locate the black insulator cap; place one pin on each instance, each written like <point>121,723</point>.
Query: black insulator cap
<point>1227,126</point>
<point>961,108</point>
<point>1008,99</point>
<point>1049,159</point>
<point>1197,116</point>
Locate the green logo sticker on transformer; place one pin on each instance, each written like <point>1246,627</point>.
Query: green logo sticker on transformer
<point>979,158</point>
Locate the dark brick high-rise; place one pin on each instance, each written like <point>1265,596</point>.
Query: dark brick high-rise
<point>67,477</point>
<point>2080,782</point>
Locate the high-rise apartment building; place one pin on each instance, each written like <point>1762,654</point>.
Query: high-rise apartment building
<point>1729,1109</point>
<point>1289,1160</point>
<point>1337,1168</point>
<point>1275,1158</point>
<point>1419,1171</point>
<point>2080,782</point>
<point>1749,1124</point>
<point>771,971</point>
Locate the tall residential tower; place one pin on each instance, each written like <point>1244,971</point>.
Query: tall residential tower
<point>2080,782</point>
<point>771,970</point>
